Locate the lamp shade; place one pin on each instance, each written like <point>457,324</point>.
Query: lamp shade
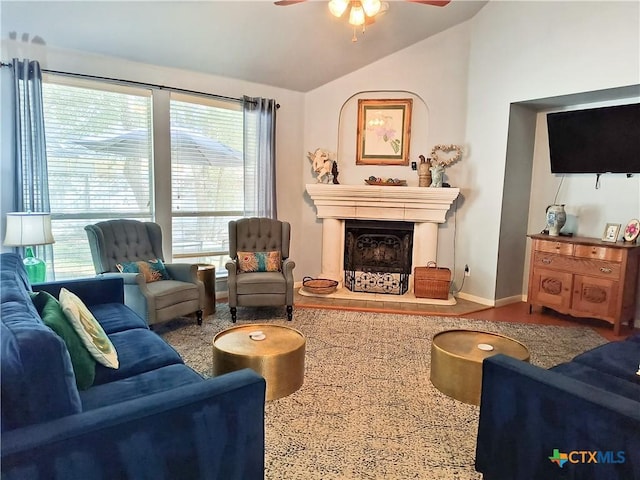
<point>28,229</point>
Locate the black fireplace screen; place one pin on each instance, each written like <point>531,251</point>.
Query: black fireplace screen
<point>377,256</point>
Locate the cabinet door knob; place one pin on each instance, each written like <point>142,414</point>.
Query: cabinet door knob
<point>605,270</point>
<point>546,261</point>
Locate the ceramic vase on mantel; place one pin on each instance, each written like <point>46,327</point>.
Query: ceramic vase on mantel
<point>556,218</point>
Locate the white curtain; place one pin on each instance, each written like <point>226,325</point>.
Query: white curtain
<point>260,157</point>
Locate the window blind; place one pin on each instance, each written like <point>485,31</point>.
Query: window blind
<point>207,176</point>
<point>99,159</point>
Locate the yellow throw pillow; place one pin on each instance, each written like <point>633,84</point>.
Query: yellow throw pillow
<point>88,329</point>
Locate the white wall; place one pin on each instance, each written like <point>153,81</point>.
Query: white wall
<point>432,72</point>
<point>616,198</point>
<point>468,77</point>
<point>534,50</point>
<point>289,116</point>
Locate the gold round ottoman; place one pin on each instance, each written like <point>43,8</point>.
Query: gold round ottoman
<point>456,360</point>
<point>275,352</point>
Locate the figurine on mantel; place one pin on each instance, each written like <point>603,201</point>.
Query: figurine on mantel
<point>323,165</point>
<point>334,173</point>
<point>437,172</point>
<point>441,157</point>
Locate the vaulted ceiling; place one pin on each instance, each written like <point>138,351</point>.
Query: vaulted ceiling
<point>297,47</point>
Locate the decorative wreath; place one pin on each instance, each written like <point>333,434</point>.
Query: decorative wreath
<point>445,149</point>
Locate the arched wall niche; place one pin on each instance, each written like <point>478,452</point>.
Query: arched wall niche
<point>352,174</point>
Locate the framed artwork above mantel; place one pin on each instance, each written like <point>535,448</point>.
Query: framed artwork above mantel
<point>384,131</point>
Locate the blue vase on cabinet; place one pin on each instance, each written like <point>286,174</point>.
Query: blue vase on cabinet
<point>556,218</point>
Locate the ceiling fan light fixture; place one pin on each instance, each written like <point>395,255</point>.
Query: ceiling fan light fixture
<point>361,12</point>
<point>338,7</point>
<point>371,7</point>
<point>356,15</point>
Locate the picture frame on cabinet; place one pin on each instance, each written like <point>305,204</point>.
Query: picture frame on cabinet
<point>632,230</point>
<point>384,131</point>
<point>611,231</point>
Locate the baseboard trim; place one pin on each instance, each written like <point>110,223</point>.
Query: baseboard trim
<point>473,298</point>
<point>510,300</point>
<point>222,295</point>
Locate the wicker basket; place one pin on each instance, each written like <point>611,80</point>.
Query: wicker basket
<point>431,282</point>
<point>320,286</point>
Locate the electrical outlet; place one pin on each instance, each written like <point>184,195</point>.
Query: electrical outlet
<point>467,271</point>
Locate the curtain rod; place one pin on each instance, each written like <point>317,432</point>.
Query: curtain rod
<point>137,84</point>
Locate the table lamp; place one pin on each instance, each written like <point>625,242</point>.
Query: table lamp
<point>27,229</point>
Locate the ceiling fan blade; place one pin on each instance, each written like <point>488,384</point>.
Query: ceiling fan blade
<point>285,3</point>
<point>435,3</point>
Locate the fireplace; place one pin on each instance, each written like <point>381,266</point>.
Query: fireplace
<point>423,208</point>
<point>377,256</point>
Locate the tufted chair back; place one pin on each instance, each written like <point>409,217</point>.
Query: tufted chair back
<point>118,241</point>
<point>259,235</point>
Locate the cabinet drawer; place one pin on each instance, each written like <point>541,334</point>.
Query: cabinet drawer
<point>550,246</point>
<point>584,266</point>
<point>597,268</point>
<point>600,253</point>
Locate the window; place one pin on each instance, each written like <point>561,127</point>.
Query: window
<point>99,160</point>
<point>207,176</point>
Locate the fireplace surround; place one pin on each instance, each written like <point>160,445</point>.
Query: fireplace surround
<point>424,207</point>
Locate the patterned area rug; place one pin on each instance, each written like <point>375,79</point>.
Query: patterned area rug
<point>367,409</point>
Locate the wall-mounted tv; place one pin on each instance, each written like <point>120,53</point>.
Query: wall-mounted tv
<point>596,140</point>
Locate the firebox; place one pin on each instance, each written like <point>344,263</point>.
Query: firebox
<point>377,256</point>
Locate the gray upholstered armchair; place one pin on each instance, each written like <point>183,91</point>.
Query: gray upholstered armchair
<point>258,276</point>
<point>122,241</point>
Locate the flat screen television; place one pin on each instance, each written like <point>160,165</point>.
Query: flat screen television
<point>596,140</point>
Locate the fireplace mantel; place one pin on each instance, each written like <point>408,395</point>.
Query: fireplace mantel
<point>373,202</point>
<point>424,206</point>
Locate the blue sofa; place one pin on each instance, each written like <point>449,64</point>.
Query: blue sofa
<point>577,420</point>
<point>152,418</point>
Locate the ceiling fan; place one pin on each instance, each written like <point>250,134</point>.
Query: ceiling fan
<point>361,12</point>
<point>435,3</point>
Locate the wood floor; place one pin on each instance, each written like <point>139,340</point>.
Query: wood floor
<point>515,313</point>
<point>519,313</point>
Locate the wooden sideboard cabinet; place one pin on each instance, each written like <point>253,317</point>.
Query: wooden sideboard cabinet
<point>584,277</point>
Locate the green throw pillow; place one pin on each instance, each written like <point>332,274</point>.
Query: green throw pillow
<point>84,366</point>
<point>153,270</point>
